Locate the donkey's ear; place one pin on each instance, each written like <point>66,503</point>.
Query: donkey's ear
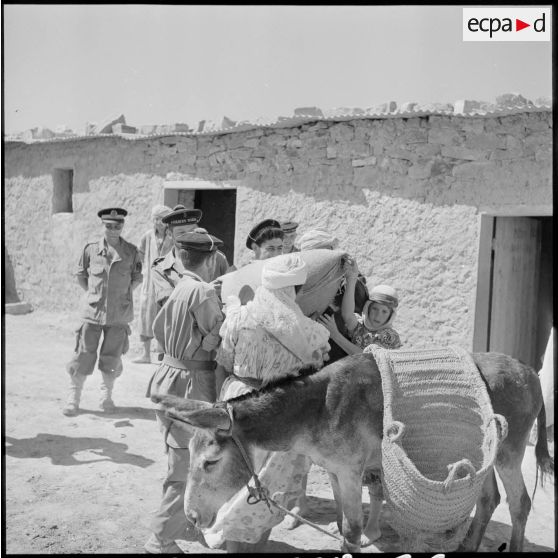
<point>212,418</point>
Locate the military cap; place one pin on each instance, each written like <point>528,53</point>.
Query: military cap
<point>265,224</point>
<point>112,214</point>
<point>198,241</point>
<point>289,226</point>
<point>182,216</point>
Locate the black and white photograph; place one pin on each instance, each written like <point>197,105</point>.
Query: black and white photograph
<point>277,279</point>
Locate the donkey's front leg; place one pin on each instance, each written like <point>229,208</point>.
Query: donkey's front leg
<point>350,486</point>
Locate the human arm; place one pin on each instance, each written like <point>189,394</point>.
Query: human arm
<point>82,273</point>
<point>137,276</point>
<point>348,303</point>
<point>335,335</point>
<point>209,318</point>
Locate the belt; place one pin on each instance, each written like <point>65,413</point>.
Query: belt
<point>251,382</point>
<point>189,364</point>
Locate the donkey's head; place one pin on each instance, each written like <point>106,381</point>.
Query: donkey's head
<point>217,469</point>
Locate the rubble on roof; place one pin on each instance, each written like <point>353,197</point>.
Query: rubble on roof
<point>508,103</point>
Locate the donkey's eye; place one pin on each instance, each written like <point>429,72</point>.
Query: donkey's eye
<point>208,465</point>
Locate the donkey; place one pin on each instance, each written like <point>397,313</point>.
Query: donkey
<point>335,417</point>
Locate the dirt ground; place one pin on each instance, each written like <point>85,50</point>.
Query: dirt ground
<point>90,483</point>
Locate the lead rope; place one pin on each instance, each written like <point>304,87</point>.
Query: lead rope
<point>259,493</point>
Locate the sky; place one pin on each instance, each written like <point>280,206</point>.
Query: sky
<point>65,65</point>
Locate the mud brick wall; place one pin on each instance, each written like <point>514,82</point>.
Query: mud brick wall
<point>403,195</point>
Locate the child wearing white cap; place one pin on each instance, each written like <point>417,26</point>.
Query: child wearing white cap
<point>373,327</point>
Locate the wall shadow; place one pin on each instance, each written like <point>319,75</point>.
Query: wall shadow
<point>61,449</point>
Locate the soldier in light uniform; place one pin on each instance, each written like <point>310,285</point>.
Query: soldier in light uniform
<point>187,328</point>
<point>168,270</point>
<point>108,270</point>
<point>289,229</point>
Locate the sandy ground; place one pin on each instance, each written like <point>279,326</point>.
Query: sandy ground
<point>89,484</point>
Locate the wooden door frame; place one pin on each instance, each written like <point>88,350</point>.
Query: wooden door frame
<point>483,302</point>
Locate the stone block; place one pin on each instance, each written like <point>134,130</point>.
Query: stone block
<point>444,136</point>
<point>331,152</point>
<point>227,123</point>
<point>506,154</point>
<point>538,138</point>
<point>512,100</point>
<point>241,153</point>
<point>395,153</point>
<point>294,143</point>
<point>473,170</point>
<point>416,135</point>
<point>428,150</point>
<point>464,153</point>
<point>251,143</point>
<point>105,127</point>
<point>308,111</point>
<point>538,124</point>
<point>484,141</point>
<point>465,106</point>
<point>543,154</point>
<point>364,162</point>
<point>513,143</point>
<point>341,132</point>
<point>366,177</point>
<point>123,129</point>
<point>421,170</point>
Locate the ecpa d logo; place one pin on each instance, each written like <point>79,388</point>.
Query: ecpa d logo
<point>507,24</point>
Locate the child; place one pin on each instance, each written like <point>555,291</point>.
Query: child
<point>373,327</point>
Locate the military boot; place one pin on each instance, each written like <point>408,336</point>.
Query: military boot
<point>76,386</point>
<point>106,403</point>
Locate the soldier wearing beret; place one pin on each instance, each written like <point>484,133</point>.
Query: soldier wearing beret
<point>168,270</point>
<point>187,328</point>
<point>289,235</point>
<point>108,270</point>
<point>266,239</point>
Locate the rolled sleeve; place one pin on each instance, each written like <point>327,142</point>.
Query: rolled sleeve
<point>209,318</point>
<point>83,265</point>
<point>137,276</point>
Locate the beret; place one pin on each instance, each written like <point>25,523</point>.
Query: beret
<point>265,224</point>
<point>198,241</point>
<point>289,226</point>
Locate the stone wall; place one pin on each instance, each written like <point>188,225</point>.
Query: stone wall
<point>404,195</point>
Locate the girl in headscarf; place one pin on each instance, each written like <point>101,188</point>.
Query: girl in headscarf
<point>267,339</point>
<point>156,242</point>
<point>374,325</point>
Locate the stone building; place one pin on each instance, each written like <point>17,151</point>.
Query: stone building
<point>451,205</point>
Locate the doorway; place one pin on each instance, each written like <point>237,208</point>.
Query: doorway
<point>514,306</point>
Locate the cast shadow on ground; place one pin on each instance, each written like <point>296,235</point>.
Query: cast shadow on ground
<point>122,413</point>
<point>61,450</point>
<point>322,512</point>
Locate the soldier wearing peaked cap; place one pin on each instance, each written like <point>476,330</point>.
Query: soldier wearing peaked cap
<point>266,239</point>
<point>289,235</point>
<point>108,271</point>
<point>187,328</point>
<point>168,270</point>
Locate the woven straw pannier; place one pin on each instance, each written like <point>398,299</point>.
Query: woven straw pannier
<point>440,439</point>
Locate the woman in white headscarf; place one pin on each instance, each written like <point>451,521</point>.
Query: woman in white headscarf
<point>316,238</point>
<point>267,339</point>
<point>155,242</point>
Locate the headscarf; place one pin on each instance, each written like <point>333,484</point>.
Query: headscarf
<point>383,294</point>
<point>274,308</point>
<point>160,211</point>
<point>283,271</point>
<point>317,239</point>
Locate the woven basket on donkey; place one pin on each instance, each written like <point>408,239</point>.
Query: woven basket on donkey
<point>440,440</point>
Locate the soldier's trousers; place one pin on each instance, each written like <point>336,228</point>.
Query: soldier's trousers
<point>115,344</point>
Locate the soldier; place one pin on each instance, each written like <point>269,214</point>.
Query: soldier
<point>187,328</point>
<point>289,229</point>
<point>168,270</point>
<point>108,270</point>
<point>266,239</point>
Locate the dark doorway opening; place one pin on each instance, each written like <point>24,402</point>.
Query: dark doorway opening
<point>219,216</point>
<point>63,188</point>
